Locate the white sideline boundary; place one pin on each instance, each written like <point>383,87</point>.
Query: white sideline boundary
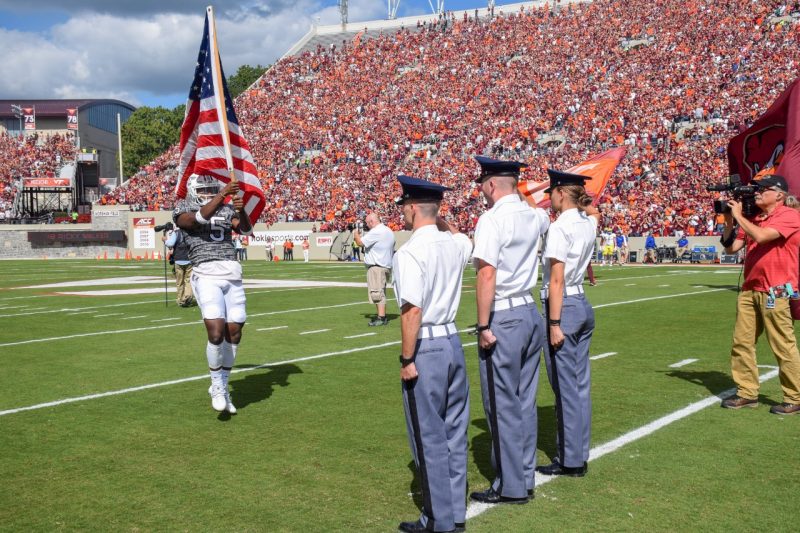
<point>146,328</point>
<point>268,313</point>
<point>475,509</point>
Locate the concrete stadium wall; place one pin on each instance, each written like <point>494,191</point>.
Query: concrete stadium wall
<point>14,242</point>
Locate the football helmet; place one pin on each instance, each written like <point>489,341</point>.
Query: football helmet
<point>201,189</point>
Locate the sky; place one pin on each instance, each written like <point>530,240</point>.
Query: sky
<point>144,51</point>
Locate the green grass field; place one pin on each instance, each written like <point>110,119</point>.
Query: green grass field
<point>319,443</point>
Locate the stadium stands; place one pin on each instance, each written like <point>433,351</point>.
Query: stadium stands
<point>330,128</point>
<point>30,157</point>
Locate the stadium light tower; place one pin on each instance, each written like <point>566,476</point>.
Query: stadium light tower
<point>393,5</point>
<point>343,11</point>
<point>439,9</point>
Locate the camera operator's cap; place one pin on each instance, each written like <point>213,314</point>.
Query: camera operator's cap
<point>773,180</point>
<point>558,178</point>
<point>419,189</point>
<point>495,167</point>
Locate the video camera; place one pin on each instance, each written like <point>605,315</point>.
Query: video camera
<point>746,194</point>
<point>169,226</point>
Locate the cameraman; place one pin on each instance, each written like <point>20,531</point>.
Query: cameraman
<point>378,245</point>
<point>771,239</point>
<point>181,266</point>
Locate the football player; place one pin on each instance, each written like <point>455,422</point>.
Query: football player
<point>208,221</point>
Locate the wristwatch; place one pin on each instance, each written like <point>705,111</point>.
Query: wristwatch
<point>479,328</point>
<point>405,361</point>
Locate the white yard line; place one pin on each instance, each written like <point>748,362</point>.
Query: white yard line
<point>475,509</point>
<point>602,356</point>
<point>313,331</point>
<point>80,313</point>
<point>148,328</point>
<point>272,328</point>
<point>107,314</point>
<point>656,298</point>
<point>37,311</point>
<point>362,335</point>
<point>683,363</point>
<point>132,317</point>
<point>166,319</point>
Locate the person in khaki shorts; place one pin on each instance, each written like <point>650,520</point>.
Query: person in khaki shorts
<point>182,267</point>
<point>378,244</point>
<point>772,239</point>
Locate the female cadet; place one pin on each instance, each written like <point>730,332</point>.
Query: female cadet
<point>570,319</point>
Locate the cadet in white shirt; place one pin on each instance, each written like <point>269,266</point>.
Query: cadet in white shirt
<point>570,318</point>
<point>379,246</point>
<point>511,332</point>
<point>427,281</point>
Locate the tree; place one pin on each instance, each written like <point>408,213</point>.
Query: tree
<point>244,78</point>
<point>148,133</point>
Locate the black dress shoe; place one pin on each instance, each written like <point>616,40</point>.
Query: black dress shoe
<point>555,469</point>
<point>490,496</point>
<point>460,528</point>
<point>417,527</point>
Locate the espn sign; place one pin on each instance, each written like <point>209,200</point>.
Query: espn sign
<point>324,242</point>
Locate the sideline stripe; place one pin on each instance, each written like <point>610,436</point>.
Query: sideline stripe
<point>362,335</point>
<point>270,329</point>
<point>602,356</point>
<point>683,363</point>
<point>475,509</point>
<point>112,332</point>
<point>313,331</point>
<point>148,328</point>
<point>132,317</point>
<point>166,319</point>
<point>651,298</point>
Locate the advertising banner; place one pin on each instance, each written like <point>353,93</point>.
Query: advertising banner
<point>259,238</point>
<point>72,119</point>
<point>29,117</point>
<point>325,242</point>
<point>144,236</point>
<point>52,183</point>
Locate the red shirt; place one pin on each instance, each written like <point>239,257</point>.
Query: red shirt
<point>776,262</point>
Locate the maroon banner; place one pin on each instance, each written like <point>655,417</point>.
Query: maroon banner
<point>29,117</point>
<point>72,119</point>
<point>772,141</point>
<point>50,183</point>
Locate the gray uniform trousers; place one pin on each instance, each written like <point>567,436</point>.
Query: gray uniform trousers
<point>569,374</point>
<point>437,415</point>
<point>509,380</point>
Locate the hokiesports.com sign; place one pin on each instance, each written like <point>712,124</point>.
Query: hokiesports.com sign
<point>259,238</point>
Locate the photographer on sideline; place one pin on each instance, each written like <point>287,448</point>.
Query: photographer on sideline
<point>378,246</point>
<point>181,266</point>
<point>771,239</point>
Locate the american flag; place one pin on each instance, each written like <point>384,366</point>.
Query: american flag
<point>202,145</point>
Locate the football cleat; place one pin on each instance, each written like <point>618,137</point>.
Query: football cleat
<point>218,397</point>
<point>229,407</point>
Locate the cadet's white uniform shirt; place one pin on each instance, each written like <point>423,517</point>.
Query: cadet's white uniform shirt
<point>427,272</point>
<point>571,239</point>
<point>507,237</point>
<point>379,246</point>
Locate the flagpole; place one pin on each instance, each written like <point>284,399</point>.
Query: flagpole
<point>219,96</point>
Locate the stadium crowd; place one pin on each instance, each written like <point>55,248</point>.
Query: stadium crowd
<point>673,80</point>
<point>29,156</point>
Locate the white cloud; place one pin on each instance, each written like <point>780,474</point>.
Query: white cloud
<point>96,55</point>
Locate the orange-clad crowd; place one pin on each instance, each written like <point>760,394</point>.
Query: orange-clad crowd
<point>331,129</point>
